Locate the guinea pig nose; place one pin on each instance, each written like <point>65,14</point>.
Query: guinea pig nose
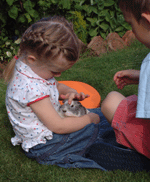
<point>64,110</point>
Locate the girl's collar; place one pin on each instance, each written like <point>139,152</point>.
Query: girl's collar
<point>16,57</point>
<point>27,71</point>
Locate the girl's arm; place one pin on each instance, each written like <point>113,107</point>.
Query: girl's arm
<point>69,93</point>
<point>50,118</point>
<point>126,77</point>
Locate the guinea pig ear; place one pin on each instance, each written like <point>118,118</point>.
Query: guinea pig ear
<point>79,104</point>
<point>65,101</point>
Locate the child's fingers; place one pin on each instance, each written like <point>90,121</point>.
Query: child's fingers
<point>63,96</point>
<point>121,86</point>
<point>117,75</point>
<point>78,96</point>
<point>70,96</point>
<point>67,96</point>
<point>120,83</point>
<point>82,96</point>
<point>121,74</point>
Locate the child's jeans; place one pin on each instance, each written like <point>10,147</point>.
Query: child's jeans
<point>94,146</point>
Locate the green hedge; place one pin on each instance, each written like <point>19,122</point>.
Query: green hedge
<point>90,17</point>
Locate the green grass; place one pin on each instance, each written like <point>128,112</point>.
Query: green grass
<point>98,72</point>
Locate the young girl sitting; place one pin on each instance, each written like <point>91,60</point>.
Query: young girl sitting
<point>48,47</point>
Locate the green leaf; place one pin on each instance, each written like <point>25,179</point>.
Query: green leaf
<point>112,24</point>
<point>104,26</point>
<point>100,6</point>
<point>118,29</point>
<point>107,18</point>
<point>81,2</point>
<point>93,32</point>
<point>101,19</point>
<point>121,33</point>
<point>28,17</point>
<point>120,18</point>
<point>17,32</point>
<point>92,21</point>
<point>92,9</point>
<point>28,6</point>
<point>86,8</point>
<point>126,26</point>
<point>103,12</point>
<point>22,19</point>
<point>10,2</point>
<point>54,1</point>
<point>78,7</point>
<point>108,3</point>
<point>32,13</point>
<point>3,18</point>
<point>112,13</point>
<point>117,7</point>
<point>66,4</point>
<point>91,2</point>
<point>103,35</point>
<point>13,12</point>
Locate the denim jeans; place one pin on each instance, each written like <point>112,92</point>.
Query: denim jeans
<point>94,146</point>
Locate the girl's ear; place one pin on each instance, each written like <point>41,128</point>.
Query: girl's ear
<point>146,16</point>
<point>31,59</point>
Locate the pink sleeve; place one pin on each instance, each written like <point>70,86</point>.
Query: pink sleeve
<point>41,98</point>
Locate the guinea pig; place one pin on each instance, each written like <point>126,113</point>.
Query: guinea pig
<point>73,109</point>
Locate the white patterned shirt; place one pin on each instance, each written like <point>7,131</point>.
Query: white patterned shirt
<point>25,88</point>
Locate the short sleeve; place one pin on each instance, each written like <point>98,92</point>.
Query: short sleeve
<point>143,103</point>
<point>29,92</point>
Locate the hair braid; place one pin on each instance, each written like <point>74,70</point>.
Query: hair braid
<point>47,38</point>
<point>52,33</point>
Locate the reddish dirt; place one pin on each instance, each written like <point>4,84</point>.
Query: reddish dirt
<point>112,42</point>
<point>99,46</point>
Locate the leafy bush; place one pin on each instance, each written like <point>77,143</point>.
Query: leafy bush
<point>79,25</point>
<point>90,18</point>
<point>8,48</point>
<point>104,16</point>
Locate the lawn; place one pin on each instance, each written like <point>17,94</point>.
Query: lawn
<point>98,72</point>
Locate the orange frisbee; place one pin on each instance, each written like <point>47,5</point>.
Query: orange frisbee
<point>91,102</point>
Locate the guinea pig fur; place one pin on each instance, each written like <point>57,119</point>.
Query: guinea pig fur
<point>74,109</point>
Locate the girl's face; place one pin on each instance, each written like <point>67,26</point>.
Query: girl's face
<point>141,29</point>
<point>53,68</point>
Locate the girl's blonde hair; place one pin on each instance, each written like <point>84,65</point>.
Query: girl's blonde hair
<point>47,38</point>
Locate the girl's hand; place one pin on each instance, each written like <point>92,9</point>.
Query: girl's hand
<point>126,77</point>
<point>51,119</point>
<point>74,96</point>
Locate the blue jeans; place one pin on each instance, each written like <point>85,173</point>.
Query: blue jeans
<point>94,146</point>
<point>68,150</point>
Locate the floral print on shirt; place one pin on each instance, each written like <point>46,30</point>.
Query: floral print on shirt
<point>25,88</point>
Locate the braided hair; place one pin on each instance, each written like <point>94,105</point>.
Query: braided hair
<point>47,38</point>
